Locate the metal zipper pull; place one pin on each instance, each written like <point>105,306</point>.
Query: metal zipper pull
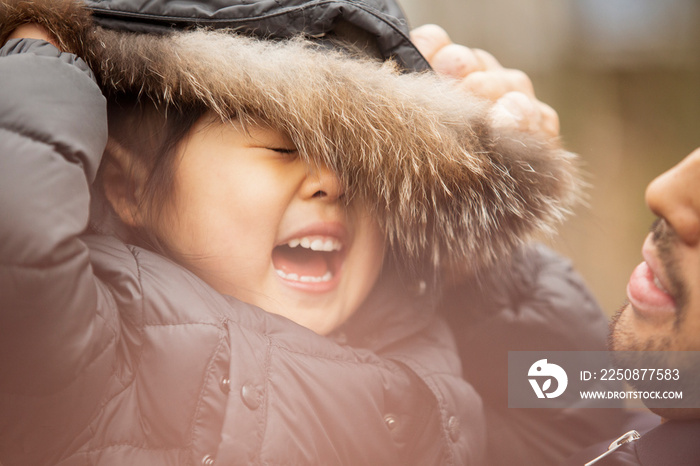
<point>630,436</point>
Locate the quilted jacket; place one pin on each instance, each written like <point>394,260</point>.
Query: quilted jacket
<point>113,354</point>
<point>87,320</point>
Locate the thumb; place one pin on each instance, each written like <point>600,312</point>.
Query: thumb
<point>429,38</point>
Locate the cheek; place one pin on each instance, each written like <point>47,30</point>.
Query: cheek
<point>221,213</point>
<point>372,246</point>
<point>689,326</point>
<point>378,247</point>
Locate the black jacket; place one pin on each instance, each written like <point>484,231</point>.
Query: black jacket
<point>537,302</point>
<point>87,318</point>
<point>115,355</point>
<point>382,20</point>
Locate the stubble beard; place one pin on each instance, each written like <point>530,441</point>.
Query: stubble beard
<point>621,336</point>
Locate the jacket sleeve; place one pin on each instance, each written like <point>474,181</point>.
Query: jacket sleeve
<point>53,130</point>
<point>539,304</point>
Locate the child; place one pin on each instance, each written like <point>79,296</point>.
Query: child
<point>242,174</point>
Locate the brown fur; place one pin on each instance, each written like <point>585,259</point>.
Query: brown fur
<point>449,188</point>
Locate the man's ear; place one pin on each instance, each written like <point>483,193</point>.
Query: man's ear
<point>123,178</point>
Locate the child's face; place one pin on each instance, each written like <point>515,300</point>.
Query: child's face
<point>250,220</point>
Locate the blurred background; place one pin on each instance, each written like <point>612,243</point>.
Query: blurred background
<point>624,76</point>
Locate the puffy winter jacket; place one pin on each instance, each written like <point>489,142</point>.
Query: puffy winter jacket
<point>115,355</point>
<point>112,354</point>
<point>535,302</point>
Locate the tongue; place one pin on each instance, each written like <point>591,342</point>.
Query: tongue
<point>299,261</point>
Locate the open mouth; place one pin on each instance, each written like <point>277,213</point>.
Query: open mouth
<point>309,259</point>
<point>647,292</point>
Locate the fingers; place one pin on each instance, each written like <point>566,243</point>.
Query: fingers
<point>516,110</point>
<point>458,61</point>
<point>550,120</point>
<point>429,38</point>
<point>478,72</point>
<point>495,83</point>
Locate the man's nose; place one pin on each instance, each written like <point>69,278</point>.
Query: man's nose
<point>675,196</point>
<point>321,183</point>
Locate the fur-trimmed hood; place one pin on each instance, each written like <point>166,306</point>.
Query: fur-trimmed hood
<point>449,188</point>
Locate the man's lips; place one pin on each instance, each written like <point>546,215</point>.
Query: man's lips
<point>647,290</point>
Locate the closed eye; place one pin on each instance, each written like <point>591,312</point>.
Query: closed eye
<point>288,154</point>
<point>283,150</point>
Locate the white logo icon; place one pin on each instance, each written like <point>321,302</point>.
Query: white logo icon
<point>543,369</point>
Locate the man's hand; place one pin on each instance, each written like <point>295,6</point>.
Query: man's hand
<point>479,72</point>
<point>33,31</point>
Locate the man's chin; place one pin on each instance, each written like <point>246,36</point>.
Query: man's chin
<point>621,337</point>
<point>629,333</point>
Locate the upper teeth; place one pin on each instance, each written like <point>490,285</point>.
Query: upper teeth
<point>316,244</point>
<point>658,284</point>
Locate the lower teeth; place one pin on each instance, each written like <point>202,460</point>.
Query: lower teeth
<point>304,279</point>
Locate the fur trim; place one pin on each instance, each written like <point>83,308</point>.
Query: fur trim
<point>67,20</point>
<point>450,189</point>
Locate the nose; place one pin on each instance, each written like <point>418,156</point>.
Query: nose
<point>321,183</point>
<point>675,196</point>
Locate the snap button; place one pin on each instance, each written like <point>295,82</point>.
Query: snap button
<point>453,428</point>
<point>391,422</point>
<point>421,287</point>
<point>208,460</point>
<point>250,396</point>
<point>225,384</point>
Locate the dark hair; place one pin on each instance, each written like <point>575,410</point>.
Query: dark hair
<point>150,134</point>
